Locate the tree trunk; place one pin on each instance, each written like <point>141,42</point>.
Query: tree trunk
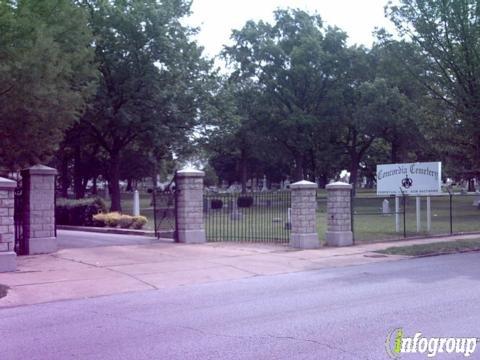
<point>298,167</point>
<point>115,182</point>
<point>354,174</point>
<point>243,170</point>
<point>77,175</point>
<point>471,185</point>
<point>65,179</point>
<point>129,184</point>
<point>323,181</point>
<point>94,186</point>
<point>394,152</point>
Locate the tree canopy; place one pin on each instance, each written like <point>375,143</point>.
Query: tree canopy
<point>47,74</point>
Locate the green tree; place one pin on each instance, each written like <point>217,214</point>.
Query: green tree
<point>293,62</point>
<point>46,76</point>
<point>446,34</point>
<point>151,81</point>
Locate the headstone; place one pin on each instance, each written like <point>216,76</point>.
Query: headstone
<point>136,203</point>
<point>476,199</point>
<point>386,207</point>
<point>264,185</point>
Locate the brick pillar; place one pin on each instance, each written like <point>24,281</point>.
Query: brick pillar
<point>304,218</point>
<point>38,184</point>
<point>189,206</point>
<point>339,222</point>
<point>8,258</point>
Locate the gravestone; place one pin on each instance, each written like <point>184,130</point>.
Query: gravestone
<point>136,203</point>
<point>476,199</point>
<point>264,185</point>
<point>386,207</point>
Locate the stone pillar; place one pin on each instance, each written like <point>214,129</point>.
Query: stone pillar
<point>8,258</point>
<point>189,206</point>
<point>339,222</point>
<point>304,217</point>
<point>38,184</point>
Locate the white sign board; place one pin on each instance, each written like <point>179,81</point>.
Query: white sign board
<point>412,178</point>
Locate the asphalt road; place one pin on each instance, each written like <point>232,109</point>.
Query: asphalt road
<point>342,313</point>
<point>81,239</point>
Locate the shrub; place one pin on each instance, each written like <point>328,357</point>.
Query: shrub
<point>125,221</point>
<point>99,219</point>
<point>139,222</point>
<point>112,219</point>
<point>216,204</point>
<point>245,201</point>
<point>78,212</point>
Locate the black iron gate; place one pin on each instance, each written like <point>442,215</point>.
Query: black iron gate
<point>21,246</point>
<point>165,211</point>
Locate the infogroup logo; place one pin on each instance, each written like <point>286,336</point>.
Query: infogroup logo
<point>397,344</point>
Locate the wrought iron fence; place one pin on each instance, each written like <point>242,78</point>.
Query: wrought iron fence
<point>389,218</point>
<point>164,214</point>
<point>253,217</point>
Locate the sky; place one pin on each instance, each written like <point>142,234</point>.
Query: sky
<point>217,18</point>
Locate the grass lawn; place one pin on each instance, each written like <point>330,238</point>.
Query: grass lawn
<point>439,248</point>
<point>369,224</point>
<point>3,290</point>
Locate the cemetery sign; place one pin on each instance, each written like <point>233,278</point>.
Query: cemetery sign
<point>413,178</point>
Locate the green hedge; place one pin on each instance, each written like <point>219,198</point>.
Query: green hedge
<point>78,212</point>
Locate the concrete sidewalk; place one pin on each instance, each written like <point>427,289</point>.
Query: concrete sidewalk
<point>90,272</point>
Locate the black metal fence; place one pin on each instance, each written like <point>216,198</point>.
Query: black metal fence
<point>384,218</point>
<point>253,217</point>
<point>21,246</point>
<point>165,214</point>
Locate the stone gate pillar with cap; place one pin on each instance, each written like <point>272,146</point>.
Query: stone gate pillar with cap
<point>38,184</point>
<point>8,258</point>
<point>189,206</point>
<point>339,221</point>
<point>304,217</point>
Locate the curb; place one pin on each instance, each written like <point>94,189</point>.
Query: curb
<point>105,230</point>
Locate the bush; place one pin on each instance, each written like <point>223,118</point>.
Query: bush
<point>99,220</point>
<point>245,201</point>
<point>125,221</point>
<point>139,222</point>
<point>216,204</point>
<point>115,219</point>
<point>112,219</point>
<point>78,212</point>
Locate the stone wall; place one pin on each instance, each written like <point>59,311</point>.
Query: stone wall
<point>38,184</point>
<point>303,216</point>
<point>7,226</point>
<point>339,231</point>
<point>189,206</point>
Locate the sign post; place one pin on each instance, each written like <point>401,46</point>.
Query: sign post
<point>411,179</point>
<point>417,179</point>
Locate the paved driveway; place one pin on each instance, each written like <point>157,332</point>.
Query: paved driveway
<point>68,239</point>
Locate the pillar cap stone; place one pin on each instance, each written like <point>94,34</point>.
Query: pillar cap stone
<point>190,172</point>
<point>304,184</point>
<point>7,183</point>
<point>40,170</point>
<point>339,185</point>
